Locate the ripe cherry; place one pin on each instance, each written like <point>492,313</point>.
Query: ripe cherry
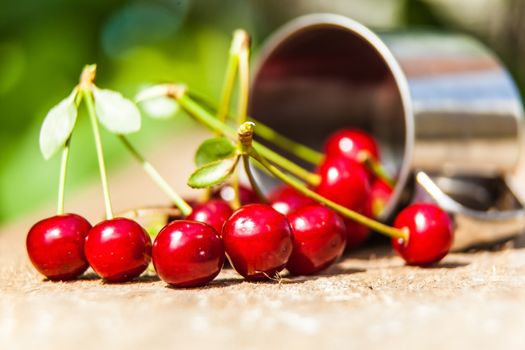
<point>118,249</point>
<point>430,234</point>
<point>356,233</point>
<point>188,253</point>
<point>380,193</point>
<point>285,200</point>
<point>214,213</point>
<point>319,239</point>
<point>349,143</point>
<point>246,194</point>
<point>344,182</point>
<point>258,241</point>
<point>56,246</point>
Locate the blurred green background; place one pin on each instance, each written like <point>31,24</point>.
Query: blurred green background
<point>45,43</point>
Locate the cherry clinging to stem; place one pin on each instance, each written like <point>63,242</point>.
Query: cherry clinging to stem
<point>319,239</point>
<point>344,182</point>
<point>286,200</point>
<point>380,193</point>
<point>258,241</point>
<point>118,249</point>
<point>56,246</point>
<point>350,143</point>
<point>431,234</point>
<point>359,146</point>
<point>213,212</point>
<point>188,253</point>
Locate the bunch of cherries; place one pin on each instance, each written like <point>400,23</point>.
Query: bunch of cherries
<point>292,231</point>
<point>304,229</point>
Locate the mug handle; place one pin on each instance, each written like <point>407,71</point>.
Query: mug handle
<point>473,228</point>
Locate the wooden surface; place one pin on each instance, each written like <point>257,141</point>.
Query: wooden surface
<point>368,300</point>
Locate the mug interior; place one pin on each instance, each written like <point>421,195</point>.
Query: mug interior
<point>316,79</point>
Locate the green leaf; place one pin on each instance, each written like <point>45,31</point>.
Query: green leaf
<point>155,103</point>
<point>160,107</point>
<point>58,126</point>
<point>213,150</point>
<point>214,173</point>
<point>118,114</point>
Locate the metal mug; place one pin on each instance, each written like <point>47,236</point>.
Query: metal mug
<point>446,113</point>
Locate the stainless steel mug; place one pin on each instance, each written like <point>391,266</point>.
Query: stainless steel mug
<point>446,113</point>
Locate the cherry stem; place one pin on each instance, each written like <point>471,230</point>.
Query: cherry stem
<point>203,116</point>
<point>62,181</point>
<point>183,206</point>
<point>88,97</point>
<point>63,164</point>
<point>244,80</point>
<point>251,178</point>
<point>206,195</point>
<point>242,53</point>
<point>375,167</point>
<point>299,150</point>
<point>236,201</point>
<point>265,156</point>
<point>374,225</point>
<point>245,133</point>
<point>239,36</point>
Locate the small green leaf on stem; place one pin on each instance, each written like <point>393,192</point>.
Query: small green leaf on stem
<point>118,114</point>
<point>160,108</point>
<point>58,125</point>
<point>214,149</point>
<point>214,173</point>
<point>155,102</point>
<point>151,92</point>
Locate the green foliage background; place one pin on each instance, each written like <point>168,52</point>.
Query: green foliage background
<point>45,43</point>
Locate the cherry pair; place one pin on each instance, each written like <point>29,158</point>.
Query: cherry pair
<point>63,246</point>
<point>342,181</point>
<point>346,181</point>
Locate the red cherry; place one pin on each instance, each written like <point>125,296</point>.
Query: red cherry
<point>356,233</point>
<point>118,249</point>
<point>344,182</point>
<point>56,246</point>
<point>258,241</point>
<point>246,194</point>
<point>319,239</point>
<point>214,213</point>
<point>286,199</point>
<point>430,234</point>
<point>380,193</point>
<point>188,253</point>
<point>192,202</point>
<point>349,143</point>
